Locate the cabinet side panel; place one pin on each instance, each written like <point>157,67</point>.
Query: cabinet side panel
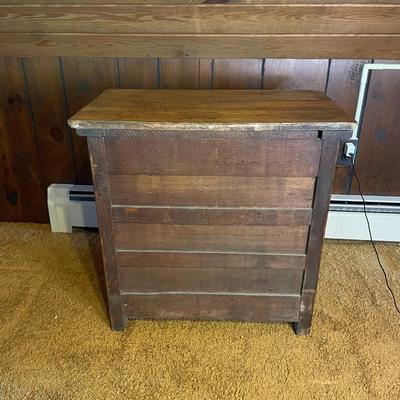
<point>323,188</point>
<point>100,180</point>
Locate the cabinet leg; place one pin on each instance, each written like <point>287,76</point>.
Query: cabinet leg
<point>302,328</point>
<point>116,312</point>
<point>119,324</point>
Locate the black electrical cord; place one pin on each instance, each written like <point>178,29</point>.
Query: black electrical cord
<point>373,243</point>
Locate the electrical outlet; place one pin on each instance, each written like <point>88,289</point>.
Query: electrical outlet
<point>347,151</point>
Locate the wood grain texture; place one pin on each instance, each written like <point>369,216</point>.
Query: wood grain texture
<point>211,191</point>
<point>201,46</point>
<point>343,87</point>
<point>378,162</point>
<point>85,78</point>
<point>348,2</point>
<point>50,118</point>
<point>182,2</point>
<point>276,132</point>
<point>207,260</point>
<point>212,216</point>
<point>140,2</point>
<point>344,83</point>
<point>212,238</point>
<point>213,157</point>
<point>227,280</point>
<point>330,149</point>
<point>106,229</point>
<point>203,19</point>
<point>201,29</point>
<point>321,206</point>
<point>22,194</point>
<point>213,307</point>
<point>138,73</point>
<point>185,74</point>
<point>320,213</point>
<point>214,109</point>
<point>342,180</point>
<point>237,74</point>
<point>295,74</point>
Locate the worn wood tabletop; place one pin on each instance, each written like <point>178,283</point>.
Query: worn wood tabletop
<point>211,109</point>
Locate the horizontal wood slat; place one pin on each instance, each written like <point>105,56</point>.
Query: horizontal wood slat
<point>216,3</point>
<point>211,216</point>
<point>215,307</point>
<point>211,191</point>
<point>203,19</point>
<point>244,157</point>
<point>201,46</point>
<point>274,132</point>
<point>211,238</point>
<point>238,280</point>
<point>206,260</point>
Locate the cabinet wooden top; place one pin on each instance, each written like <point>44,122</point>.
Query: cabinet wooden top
<point>224,110</point>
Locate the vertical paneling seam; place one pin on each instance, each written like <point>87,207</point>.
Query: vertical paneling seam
<point>198,73</point>
<point>328,72</point>
<point>158,74</point>
<point>212,73</point>
<point>117,71</point>
<point>66,108</point>
<point>262,73</point>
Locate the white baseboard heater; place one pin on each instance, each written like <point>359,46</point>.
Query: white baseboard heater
<point>71,206</point>
<point>74,206</point>
<point>346,218</point>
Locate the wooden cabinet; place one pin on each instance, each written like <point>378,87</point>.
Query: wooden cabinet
<point>212,204</point>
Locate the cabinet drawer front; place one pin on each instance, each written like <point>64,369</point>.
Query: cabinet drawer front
<point>216,307</point>
<point>237,280</point>
<point>213,157</point>
<point>212,238</point>
<point>211,191</point>
<point>205,260</point>
<point>212,216</point>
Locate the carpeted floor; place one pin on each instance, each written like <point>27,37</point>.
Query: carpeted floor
<point>55,341</point>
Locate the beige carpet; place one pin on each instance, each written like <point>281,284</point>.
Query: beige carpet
<point>55,341</point>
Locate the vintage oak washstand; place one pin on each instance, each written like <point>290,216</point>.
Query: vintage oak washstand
<point>212,204</point>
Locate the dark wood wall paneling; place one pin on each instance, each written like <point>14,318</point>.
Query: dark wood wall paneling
<point>378,161</point>
<point>21,183</point>
<point>38,94</point>
<point>85,79</point>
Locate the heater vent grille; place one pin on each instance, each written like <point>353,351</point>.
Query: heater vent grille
<point>374,204</point>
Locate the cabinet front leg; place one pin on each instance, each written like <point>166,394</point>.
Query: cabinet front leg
<point>119,324</point>
<point>303,326</point>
